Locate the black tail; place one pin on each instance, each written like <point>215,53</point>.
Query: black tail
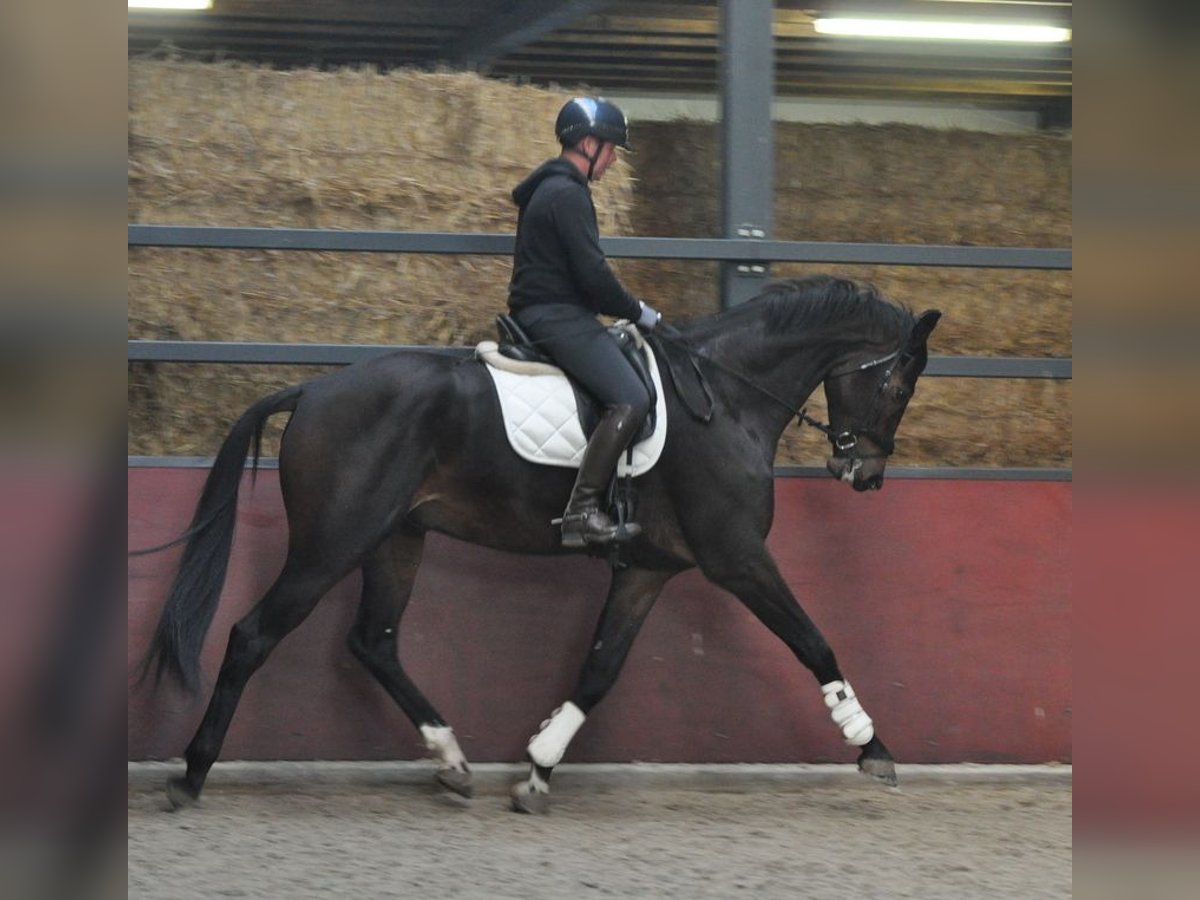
<point>190,607</point>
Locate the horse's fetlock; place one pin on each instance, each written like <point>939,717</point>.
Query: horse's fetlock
<point>546,748</point>
<point>443,746</point>
<point>847,713</point>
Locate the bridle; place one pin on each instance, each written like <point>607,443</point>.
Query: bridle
<point>843,441</point>
<point>847,439</point>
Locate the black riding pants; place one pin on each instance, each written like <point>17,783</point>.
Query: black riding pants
<point>584,349</point>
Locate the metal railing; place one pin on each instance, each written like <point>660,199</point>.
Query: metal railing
<point>701,249</point>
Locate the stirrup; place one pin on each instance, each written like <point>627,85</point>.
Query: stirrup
<point>576,534</point>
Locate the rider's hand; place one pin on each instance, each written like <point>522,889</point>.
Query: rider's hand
<point>649,318</point>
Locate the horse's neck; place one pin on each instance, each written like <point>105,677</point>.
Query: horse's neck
<point>777,376</point>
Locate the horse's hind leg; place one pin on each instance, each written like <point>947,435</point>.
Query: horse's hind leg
<point>388,576</point>
<point>630,598</point>
<point>288,602</point>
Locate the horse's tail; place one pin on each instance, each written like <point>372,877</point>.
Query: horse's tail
<point>196,590</point>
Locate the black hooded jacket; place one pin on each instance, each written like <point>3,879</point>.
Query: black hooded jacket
<point>558,257</point>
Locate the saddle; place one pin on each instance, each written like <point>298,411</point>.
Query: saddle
<point>515,344</point>
<point>548,418</point>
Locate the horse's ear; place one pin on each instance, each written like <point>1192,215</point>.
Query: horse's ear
<point>925,323</point>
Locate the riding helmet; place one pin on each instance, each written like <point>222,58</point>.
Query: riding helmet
<point>591,115</point>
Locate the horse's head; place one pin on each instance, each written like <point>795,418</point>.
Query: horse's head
<point>867,399</point>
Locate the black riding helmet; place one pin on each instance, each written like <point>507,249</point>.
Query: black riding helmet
<point>594,116</point>
<point>591,115</point>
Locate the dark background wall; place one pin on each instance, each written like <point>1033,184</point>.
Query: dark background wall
<point>947,602</point>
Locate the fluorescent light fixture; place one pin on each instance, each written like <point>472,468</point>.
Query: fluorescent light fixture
<point>170,4</point>
<point>943,31</point>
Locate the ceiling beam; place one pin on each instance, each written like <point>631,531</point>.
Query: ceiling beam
<point>525,22</point>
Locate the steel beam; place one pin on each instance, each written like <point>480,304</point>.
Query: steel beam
<point>262,353</point>
<point>747,73</point>
<point>511,30</point>
<point>488,244</point>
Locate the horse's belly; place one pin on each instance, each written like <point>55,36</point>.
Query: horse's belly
<point>496,529</point>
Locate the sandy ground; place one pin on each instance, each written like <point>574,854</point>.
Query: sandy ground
<point>367,831</point>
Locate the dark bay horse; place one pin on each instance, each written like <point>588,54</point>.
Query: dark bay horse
<point>377,454</point>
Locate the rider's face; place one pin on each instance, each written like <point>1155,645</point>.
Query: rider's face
<point>608,155</point>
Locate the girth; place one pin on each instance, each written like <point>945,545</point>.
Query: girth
<point>516,344</point>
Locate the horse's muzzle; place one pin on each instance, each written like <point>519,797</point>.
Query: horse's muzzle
<point>861,474</point>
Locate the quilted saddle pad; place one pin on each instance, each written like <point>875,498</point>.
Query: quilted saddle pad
<point>541,417</point>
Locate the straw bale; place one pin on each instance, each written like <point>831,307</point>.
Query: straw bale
<point>232,144</point>
<point>238,145</point>
<point>899,184</point>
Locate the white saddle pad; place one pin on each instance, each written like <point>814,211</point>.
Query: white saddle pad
<point>541,417</point>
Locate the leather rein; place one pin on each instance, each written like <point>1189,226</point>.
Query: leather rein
<point>843,441</point>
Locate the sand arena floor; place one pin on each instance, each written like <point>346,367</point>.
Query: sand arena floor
<point>304,830</point>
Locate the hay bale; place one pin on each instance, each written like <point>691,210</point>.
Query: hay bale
<point>303,148</point>
<point>233,144</point>
<point>899,184</point>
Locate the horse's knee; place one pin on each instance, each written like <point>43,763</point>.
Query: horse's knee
<point>246,650</point>
<point>368,646</point>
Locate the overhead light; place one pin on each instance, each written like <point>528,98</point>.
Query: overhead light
<point>170,4</point>
<point>943,31</point>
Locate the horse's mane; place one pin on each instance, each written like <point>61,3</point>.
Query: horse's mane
<point>824,303</point>
<point>819,301</point>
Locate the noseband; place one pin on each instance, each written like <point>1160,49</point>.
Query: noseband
<point>847,439</point>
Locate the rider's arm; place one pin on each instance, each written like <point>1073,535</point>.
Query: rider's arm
<point>575,220</point>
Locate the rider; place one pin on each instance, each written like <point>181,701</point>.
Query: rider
<point>561,281</point>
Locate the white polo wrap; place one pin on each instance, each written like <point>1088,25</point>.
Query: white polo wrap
<point>440,741</point>
<point>847,713</point>
<point>546,748</point>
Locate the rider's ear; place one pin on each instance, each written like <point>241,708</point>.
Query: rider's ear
<point>920,332</point>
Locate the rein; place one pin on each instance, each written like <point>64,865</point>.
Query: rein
<point>842,441</point>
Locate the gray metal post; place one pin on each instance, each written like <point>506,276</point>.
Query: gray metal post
<point>747,140</point>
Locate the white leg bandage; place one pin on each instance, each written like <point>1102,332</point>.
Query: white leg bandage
<point>847,713</point>
<point>441,743</point>
<point>546,748</point>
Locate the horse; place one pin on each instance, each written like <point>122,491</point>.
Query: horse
<point>379,453</point>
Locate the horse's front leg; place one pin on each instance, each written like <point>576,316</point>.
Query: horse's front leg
<point>751,574</point>
<point>630,597</point>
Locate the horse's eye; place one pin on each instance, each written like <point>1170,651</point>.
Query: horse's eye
<point>902,393</point>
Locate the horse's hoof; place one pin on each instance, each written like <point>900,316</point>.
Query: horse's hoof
<point>180,793</point>
<point>456,781</point>
<point>527,800</point>
<point>878,768</point>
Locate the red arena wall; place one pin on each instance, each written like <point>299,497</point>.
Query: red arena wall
<point>947,603</point>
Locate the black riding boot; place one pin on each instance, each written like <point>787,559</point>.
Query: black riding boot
<point>584,521</point>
